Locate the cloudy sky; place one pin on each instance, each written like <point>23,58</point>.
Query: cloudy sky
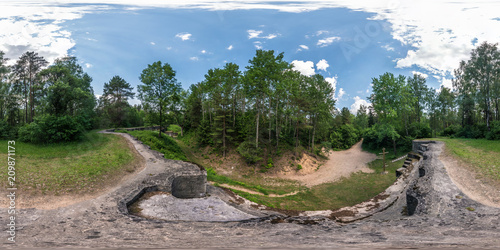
<point>348,42</point>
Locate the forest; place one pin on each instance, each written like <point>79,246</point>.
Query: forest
<point>262,108</point>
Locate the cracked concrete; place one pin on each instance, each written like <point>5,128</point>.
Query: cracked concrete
<point>442,219</point>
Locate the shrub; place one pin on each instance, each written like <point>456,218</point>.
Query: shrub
<point>52,129</point>
<point>164,145</point>
<point>451,130</point>
<point>299,167</point>
<point>475,131</point>
<point>494,133</point>
<point>420,130</point>
<point>249,152</point>
<point>6,131</point>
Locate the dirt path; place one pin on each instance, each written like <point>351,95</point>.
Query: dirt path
<point>467,180</point>
<point>254,192</point>
<point>339,164</point>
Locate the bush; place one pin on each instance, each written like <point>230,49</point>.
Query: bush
<point>344,137</point>
<point>452,130</point>
<point>52,129</point>
<point>475,131</point>
<point>6,131</point>
<point>420,130</point>
<point>249,152</point>
<point>494,133</point>
<point>164,145</point>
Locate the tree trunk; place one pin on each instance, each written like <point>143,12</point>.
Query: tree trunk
<point>394,144</point>
<point>277,129</point>
<point>257,130</point>
<point>224,133</point>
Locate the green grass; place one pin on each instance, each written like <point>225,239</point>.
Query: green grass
<point>165,145</point>
<point>346,192</point>
<point>76,167</point>
<point>480,154</point>
<point>174,128</point>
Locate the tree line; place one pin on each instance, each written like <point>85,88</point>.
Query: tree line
<point>265,107</point>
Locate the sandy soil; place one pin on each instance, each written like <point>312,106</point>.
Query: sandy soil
<point>339,164</point>
<point>468,181</point>
<point>27,200</point>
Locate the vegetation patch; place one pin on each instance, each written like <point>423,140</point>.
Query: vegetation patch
<point>164,144</point>
<point>480,154</point>
<point>73,167</point>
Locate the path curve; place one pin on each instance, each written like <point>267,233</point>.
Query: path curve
<point>339,164</point>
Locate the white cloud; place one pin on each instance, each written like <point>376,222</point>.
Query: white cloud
<point>304,47</point>
<point>447,83</point>
<point>153,43</point>
<point>327,41</point>
<point>254,33</point>
<point>321,32</point>
<point>271,36</point>
<point>230,47</point>
<point>357,103</point>
<point>169,48</point>
<point>419,73</point>
<point>257,34</point>
<point>258,45</point>
<point>305,68</point>
<point>194,58</point>
<point>322,65</point>
<point>184,36</point>
<point>388,47</point>
<point>203,51</point>
<point>440,31</point>
<point>88,65</point>
<point>341,93</point>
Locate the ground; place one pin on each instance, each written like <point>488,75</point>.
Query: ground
<point>483,191</point>
<point>339,164</point>
<point>455,220</point>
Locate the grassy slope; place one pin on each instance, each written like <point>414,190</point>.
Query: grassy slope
<point>346,192</point>
<point>481,155</point>
<point>165,145</point>
<point>76,167</point>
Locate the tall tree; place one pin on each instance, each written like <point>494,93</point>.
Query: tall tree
<point>264,71</point>
<point>160,88</point>
<point>26,69</point>
<point>418,89</point>
<point>115,99</point>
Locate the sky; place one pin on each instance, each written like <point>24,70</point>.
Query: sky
<point>348,42</point>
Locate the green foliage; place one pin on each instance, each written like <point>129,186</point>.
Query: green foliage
<point>346,136</point>
<point>52,129</point>
<point>213,176</point>
<point>451,130</point>
<point>203,133</point>
<point>250,152</point>
<point>6,131</point>
<point>299,167</point>
<point>164,145</point>
<point>494,134</point>
<point>419,130</point>
<point>475,131</point>
<point>174,128</point>
<point>70,168</point>
<point>270,163</point>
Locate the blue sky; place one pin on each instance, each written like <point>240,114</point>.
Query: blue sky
<point>348,43</point>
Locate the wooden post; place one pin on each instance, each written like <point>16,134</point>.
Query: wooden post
<point>383,153</point>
